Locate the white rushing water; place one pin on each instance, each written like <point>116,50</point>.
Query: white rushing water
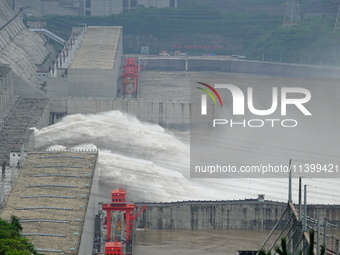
<point>153,164</point>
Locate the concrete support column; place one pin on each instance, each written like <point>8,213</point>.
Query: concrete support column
<point>72,52</point>
<point>305,243</point>
<point>2,192</point>
<point>12,173</point>
<point>53,71</point>
<point>318,233</point>
<point>67,59</point>
<point>325,233</point>
<point>305,210</point>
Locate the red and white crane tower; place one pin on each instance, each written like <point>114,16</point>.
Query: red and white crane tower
<point>120,204</point>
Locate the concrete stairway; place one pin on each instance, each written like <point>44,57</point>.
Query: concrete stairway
<point>6,111</point>
<point>15,131</point>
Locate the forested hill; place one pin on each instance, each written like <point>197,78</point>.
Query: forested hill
<point>246,27</point>
<point>275,7</point>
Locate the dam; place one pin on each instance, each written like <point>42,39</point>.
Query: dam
<point>174,112</point>
<point>145,157</point>
<point>249,214</point>
<point>228,64</point>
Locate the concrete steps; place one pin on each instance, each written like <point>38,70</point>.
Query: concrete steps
<point>15,131</point>
<point>6,111</point>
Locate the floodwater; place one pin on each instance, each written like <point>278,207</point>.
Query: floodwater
<point>193,242</point>
<point>217,242</point>
<point>152,163</point>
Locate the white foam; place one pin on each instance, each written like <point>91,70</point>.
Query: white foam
<point>153,164</point>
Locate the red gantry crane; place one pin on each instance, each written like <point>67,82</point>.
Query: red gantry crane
<point>120,204</point>
<point>130,77</point>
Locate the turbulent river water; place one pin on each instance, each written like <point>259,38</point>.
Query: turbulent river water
<point>153,163</point>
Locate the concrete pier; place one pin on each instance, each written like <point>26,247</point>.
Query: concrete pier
<point>226,64</point>
<point>167,114</point>
<point>248,214</point>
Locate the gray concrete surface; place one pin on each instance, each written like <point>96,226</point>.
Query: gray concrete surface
<point>185,242</point>
<point>52,196</point>
<point>95,69</point>
<point>167,114</point>
<point>19,47</point>
<point>225,64</point>
<point>238,214</point>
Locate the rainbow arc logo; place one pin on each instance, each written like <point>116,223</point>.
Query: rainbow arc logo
<point>204,97</point>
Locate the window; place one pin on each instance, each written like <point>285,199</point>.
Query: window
<point>125,4</point>
<point>88,13</point>
<point>133,3</point>
<point>88,4</point>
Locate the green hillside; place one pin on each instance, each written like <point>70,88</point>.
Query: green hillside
<point>255,31</point>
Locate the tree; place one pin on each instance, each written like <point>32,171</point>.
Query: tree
<point>11,242</point>
<point>15,222</point>
<point>263,252</point>
<point>282,249</point>
<point>311,244</point>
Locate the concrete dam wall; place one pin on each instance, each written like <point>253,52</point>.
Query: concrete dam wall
<point>240,215</point>
<point>166,114</point>
<point>170,114</point>
<point>19,47</point>
<point>238,66</point>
